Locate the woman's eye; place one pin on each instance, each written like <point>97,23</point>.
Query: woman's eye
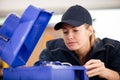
<point>65,32</point>
<point>75,30</point>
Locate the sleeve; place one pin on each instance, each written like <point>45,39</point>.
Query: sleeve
<point>115,59</point>
<point>44,56</point>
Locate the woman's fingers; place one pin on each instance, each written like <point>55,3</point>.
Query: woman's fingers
<point>94,67</point>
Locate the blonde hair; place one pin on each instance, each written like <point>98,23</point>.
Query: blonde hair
<point>92,37</point>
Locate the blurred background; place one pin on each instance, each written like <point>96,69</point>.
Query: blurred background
<point>106,15</point>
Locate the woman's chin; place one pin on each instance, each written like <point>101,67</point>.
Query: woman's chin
<point>72,48</point>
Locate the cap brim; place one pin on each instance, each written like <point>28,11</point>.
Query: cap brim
<point>70,22</point>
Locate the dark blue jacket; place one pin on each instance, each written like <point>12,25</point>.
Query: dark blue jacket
<point>107,50</point>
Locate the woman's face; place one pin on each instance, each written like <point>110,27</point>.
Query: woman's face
<point>76,38</point>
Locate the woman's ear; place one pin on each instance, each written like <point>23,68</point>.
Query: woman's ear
<point>90,29</point>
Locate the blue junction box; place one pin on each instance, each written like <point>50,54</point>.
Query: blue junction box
<point>45,73</point>
<point>18,38</point>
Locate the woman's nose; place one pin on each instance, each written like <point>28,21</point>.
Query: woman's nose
<point>70,36</point>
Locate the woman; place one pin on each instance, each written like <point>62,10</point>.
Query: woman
<point>80,46</point>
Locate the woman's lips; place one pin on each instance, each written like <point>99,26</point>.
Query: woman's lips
<point>70,43</point>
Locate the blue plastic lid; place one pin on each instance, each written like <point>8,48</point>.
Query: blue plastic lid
<point>22,34</point>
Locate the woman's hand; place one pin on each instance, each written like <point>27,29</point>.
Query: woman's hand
<point>96,67</point>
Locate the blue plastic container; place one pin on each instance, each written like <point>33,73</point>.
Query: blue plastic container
<point>18,38</point>
<point>45,73</point>
<point>19,35</point>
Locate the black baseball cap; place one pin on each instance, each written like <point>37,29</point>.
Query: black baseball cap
<point>75,15</point>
